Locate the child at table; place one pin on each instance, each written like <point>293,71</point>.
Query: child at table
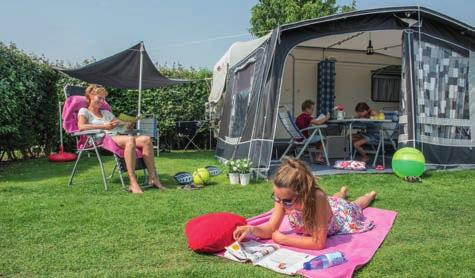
<point>305,119</point>
<point>370,135</point>
<point>312,214</point>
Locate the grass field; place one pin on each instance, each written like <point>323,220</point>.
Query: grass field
<point>48,229</point>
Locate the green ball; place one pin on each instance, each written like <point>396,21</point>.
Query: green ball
<point>408,162</point>
<point>200,176</point>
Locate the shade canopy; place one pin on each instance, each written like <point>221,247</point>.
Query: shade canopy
<point>122,70</point>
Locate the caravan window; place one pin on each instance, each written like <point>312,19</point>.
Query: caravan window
<point>386,84</point>
<point>241,96</point>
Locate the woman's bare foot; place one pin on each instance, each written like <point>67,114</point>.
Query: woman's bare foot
<point>157,184</point>
<point>372,194</point>
<point>344,192</point>
<point>135,189</point>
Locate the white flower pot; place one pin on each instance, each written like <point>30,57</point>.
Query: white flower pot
<point>245,178</point>
<point>234,178</point>
<point>340,115</point>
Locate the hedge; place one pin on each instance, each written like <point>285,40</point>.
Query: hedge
<point>28,110</point>
<point>30,90</point>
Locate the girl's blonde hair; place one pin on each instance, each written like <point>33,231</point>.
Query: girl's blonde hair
<point>295,175</point>
<point>95,89</point>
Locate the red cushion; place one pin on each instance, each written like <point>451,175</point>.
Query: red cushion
<point>210,233</point>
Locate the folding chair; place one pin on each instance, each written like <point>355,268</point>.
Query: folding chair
<point>149,127</point>
<point>390,132</point>
<point>297,139</point>
<point>88,140</point>
<point>391,129</point>
<point>188,130</point>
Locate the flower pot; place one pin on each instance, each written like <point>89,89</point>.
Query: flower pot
<point>245,178</point>
<point>340,115</point>
<point>233,178</point>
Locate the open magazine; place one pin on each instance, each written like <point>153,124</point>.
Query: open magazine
<point>270,256</point>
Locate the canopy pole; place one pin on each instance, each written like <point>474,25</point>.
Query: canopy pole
<point>139,113</point>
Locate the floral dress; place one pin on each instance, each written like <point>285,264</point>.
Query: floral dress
<point>347,218</point>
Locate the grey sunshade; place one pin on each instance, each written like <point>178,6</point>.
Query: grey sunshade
<point>122,70</point>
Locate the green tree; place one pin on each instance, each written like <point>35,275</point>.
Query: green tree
<point>268,14</point>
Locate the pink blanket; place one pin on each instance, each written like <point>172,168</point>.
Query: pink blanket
<point>358,248</point>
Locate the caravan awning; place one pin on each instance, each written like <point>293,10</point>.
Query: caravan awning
<point>235,53</point>
<point>122,71</point>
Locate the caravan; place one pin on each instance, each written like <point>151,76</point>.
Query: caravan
<point>415,62</point>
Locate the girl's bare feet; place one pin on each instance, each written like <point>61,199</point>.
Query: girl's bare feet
<point>365,200</point>
<point>156,183</point>
<point>344,192</point>
<point>372,194</point>
<point>319,159</point>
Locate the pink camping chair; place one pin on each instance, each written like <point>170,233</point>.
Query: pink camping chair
<point>87,141</point>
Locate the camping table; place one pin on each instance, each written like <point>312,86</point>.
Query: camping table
<point>348,123</point>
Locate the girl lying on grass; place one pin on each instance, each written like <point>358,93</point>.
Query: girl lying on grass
<point>312,214</point>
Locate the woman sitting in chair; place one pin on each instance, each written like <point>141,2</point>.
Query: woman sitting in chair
<point>93,117</point>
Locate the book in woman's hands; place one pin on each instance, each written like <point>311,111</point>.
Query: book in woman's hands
<point>270,256</point>
<point>126,118</point>
<point>321,117</point>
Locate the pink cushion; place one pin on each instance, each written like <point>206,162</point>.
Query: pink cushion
<point>71,109</point>
<point>210,233</point>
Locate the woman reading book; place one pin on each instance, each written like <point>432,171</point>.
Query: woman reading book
<point>312,214</point>
<point>93,117</point>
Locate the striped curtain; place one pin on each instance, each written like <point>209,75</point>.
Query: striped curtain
<point>326,87</point>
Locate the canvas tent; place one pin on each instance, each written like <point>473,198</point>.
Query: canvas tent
<point>436,92</point>
<point>129,69</point>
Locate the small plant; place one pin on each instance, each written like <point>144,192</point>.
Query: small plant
<point>239,166</point>
<point>233,167</point>
<point>244,166</point>
<point>339,107</point>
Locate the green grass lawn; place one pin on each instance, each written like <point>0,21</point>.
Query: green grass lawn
<point>48,229</point>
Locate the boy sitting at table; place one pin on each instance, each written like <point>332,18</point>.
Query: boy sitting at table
<point>371,134</point>
<point>305,119</point>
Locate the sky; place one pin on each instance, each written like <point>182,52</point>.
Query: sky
<point>194,33</point>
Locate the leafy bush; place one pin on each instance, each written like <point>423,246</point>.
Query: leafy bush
<point>29,110</point>
<point>268,14</point>
<point>30,90</point>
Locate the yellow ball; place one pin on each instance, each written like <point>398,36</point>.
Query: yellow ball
<point>201,176</point>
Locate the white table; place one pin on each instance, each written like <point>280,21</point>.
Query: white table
<point>349,122</point>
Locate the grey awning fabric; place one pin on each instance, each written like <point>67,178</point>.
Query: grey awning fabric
<point>122,71</point>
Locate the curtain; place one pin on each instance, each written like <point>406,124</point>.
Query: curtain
<point>326,87</point>
<point>441,86</point>
<point>386,88</point>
